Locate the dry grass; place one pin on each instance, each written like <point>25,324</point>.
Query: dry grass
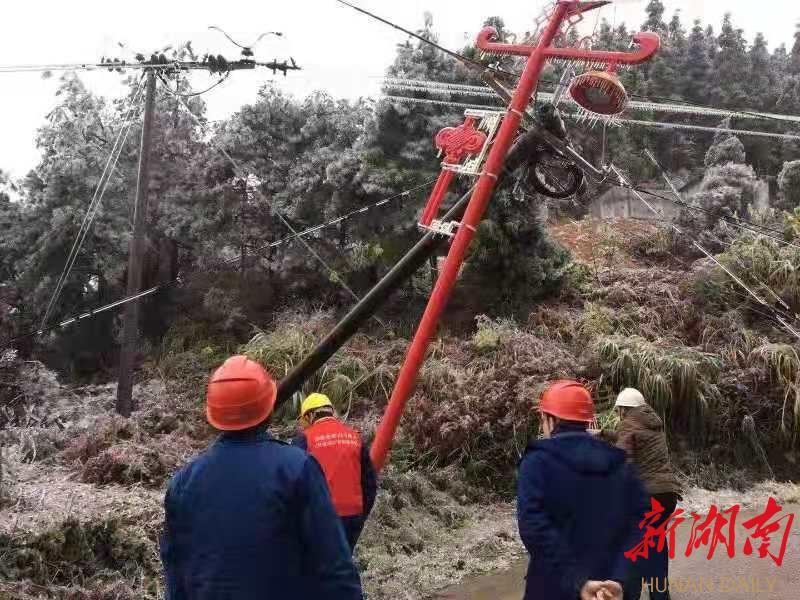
<point>676,380</point>
<point>356,378</point>
<point>783,363</point>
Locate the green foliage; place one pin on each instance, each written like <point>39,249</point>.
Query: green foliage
<point>79,553</point>
<point>490,334</point>
<point>353,378</point>
<point>783,362</point>
<point>791,224</point>
<point>789,185</point>
<point>595,321</point>
<point>678,381</point>
<point>767,267</point>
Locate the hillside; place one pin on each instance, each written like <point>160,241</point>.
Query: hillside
<point>82,505</point>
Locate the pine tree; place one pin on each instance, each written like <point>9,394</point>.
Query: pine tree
<point>655,18</point>
<point>697,66</point>
<point>760,81</point>
<point>711,44</point>
<point>794,57</point>
<point>730,67</point>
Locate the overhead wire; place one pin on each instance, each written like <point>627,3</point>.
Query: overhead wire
<point>447,88</point>
<point>775,313</point>
<point>185,278</point>
<point>615,121</point>
<point>740,223</point>
<point>95,202</point>
<point>222,80</point>
<point>673,189</point>
<point>451,53</point>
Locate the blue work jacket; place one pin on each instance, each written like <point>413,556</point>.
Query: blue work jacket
<point>251,519</point>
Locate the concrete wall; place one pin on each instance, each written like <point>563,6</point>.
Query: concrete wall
<point>620,203</point>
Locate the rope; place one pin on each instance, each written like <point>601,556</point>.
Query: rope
<point>100,309</point>
<point>95,202</point>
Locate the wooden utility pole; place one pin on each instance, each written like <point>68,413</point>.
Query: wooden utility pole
<point>130,319</point>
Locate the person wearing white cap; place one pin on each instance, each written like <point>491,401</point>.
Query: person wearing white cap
<point>641,434</point>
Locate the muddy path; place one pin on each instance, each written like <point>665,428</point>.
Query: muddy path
<point>693,578</point>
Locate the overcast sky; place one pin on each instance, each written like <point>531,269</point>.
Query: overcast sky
<point>341,51</point>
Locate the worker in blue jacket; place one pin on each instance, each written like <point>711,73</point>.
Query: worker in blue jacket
<point>579,504</point>
<point>252,518</point>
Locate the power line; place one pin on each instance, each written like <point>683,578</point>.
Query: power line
<point>179,280</point>
<point>743,224</point>
<point>686,126</point>
<point>453,54</point>
<point>614,121</point>
<point>166,65</point>
<point>94,204</point>
<point>222,80</point>
<point>455,89</point>
<point>776,315</point>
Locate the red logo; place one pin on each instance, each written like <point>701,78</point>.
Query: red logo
<point>718,528</point>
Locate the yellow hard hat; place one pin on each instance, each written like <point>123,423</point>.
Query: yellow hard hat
<point>313,402</point>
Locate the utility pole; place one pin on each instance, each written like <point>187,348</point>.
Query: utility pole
<point>130,319</point>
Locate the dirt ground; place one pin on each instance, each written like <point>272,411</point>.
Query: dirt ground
<point>693,578</point>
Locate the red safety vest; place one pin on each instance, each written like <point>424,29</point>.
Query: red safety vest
<point>337,448</point>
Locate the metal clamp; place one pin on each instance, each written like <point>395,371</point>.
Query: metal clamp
<point>447,228</point>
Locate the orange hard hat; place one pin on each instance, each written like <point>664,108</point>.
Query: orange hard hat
<point>568,400</point>
<point>241,394</point>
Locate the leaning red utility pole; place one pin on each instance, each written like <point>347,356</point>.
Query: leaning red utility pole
<point>130,319</point>
<point>564,10</point>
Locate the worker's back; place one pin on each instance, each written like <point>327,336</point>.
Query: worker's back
<point>579,505</point>
<point>252,518</point>
<point>338,449</point>
<point>349,472</point>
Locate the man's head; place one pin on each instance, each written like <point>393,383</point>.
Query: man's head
<point>565,402</point>
<point>240,395</point>
<point>627,399</point>
<point>316,406</point>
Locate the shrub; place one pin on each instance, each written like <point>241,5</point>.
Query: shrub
<point>783,363</point>
<point>130,463</point>
<point>491,334</point>
<point>355,375</point>
<point>789,184</point>
<point>770,269</point>
<point>478,413</point>
<point>119,451</point>
<point>76,553</point>
<point>678,381</point>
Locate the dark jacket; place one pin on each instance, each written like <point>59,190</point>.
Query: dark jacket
<point>579,505</point>
<point>641,435</point>
<point>251,518</point>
